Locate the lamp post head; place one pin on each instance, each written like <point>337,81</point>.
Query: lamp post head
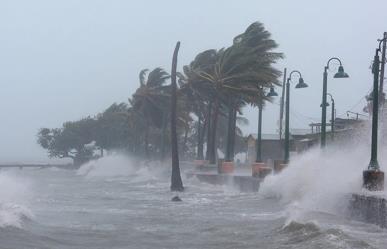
<point>272,93</point>
<point>340,73</point>
<point>301,83</point>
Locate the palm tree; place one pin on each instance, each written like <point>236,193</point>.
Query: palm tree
<point>195,103</point>
<point>256,41</point>
<point>238,75</point>
<point>200,94</point>
<point>151,99</point>
<point>176,182</point>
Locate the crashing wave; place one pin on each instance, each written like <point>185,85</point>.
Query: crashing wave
<point>13,190</point>
<point>14,215</point>
<point>115,166</point>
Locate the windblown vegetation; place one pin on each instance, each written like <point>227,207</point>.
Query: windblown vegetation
<point>212,91</point>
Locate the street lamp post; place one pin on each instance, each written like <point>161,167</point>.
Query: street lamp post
<point>301,84</point>
<point>373,177</point>
<point>258,158</point>
<point>259,169</point>
<point>340,74</point>
<point>332,117</point>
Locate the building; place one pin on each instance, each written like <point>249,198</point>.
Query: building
<point>272,147</point>
<point>303,139</point>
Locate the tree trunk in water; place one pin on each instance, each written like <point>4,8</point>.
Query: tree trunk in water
<point>212,154</point>
<point>208,131</point>
<point>200,139</point>
<point>176,182</point>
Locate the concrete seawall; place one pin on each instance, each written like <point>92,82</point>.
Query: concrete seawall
<point>369,208</point>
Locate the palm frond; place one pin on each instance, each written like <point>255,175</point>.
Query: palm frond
<point>142,76</point>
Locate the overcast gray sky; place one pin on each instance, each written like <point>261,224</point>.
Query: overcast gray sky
<point>63,60</point>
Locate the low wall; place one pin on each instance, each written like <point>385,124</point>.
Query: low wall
<point>369,208</point>
<point>242,183</point>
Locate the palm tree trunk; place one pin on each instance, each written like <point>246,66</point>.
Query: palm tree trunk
<point>176,182</point>
<point>208,131</point>
<point>136,143</point>
<point>200,139</point>
<point>229,157</point>
<point>212,154</point>
<point>186,129</point>
<point>164,131</point>
<point>233,134</point>
<point>146,140</point>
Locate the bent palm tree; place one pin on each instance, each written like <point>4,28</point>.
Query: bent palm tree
<point>151,99</point>
<point>238,75</point>
<point>176,182</point>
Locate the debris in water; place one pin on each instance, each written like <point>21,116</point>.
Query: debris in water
<point>176,198</point>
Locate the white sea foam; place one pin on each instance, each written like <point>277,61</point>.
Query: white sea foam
<point>14,195</point>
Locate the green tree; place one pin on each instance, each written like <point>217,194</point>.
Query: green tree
<point>112,131</point>
<point>73,140</point>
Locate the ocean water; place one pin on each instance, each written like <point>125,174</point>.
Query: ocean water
<point>116,203</point>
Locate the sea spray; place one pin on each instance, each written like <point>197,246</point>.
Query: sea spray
<point>119,165</point>
<point>15,193</point>
<point>108,166</point>
<point>319,180</point>
<point>14,215</point>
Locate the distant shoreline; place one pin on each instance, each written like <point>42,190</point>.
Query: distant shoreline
<point>37,165</point>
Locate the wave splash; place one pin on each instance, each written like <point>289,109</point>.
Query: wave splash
<point>312,235</point>
<point>14,195</point>
<point>108,166</point>
<point>118,166</point>
<point>319,180</point>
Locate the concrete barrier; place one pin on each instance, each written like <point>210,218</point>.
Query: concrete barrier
<point>201,163</point>
<point>260,170</point>
<point>369,208</point>
<point>226,168</point>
